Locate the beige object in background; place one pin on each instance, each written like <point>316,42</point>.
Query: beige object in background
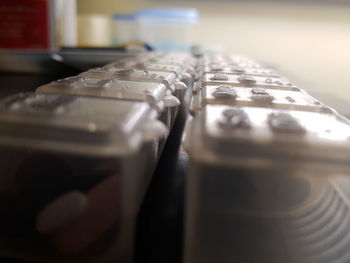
<point>94,30</point>
<point>66,22</point>
<point>125,29</point>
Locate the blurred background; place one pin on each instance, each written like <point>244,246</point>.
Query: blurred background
<point>306,40</point>
<point>309,41</point>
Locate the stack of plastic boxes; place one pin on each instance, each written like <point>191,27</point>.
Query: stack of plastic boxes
<point>78,155</point>
<point>263,155</point>
<point>77,158</point>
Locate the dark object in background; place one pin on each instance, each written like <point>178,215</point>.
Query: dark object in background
<point>25,24</point>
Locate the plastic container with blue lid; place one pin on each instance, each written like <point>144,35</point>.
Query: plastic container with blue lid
<point>167,29</point>
<point>125,28</point>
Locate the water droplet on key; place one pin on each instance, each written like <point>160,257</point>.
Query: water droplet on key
<point>154,76</point>
<point>268,80</point>
<point>259,91</point>
<point>290,99</point>
<point>261,96</point>
<point>246,79</point>
<point>109,84</point>
<point>278,82</point>
<point>234,118</point>
<point>225,92</point>
<point>145,73</point>
<point>124,72</point>
<point>285,122</point>
<point>221,77</point>
<point>229,113</point>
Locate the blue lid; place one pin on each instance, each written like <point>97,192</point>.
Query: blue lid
<point>124,16</point>
<point>190,14</point>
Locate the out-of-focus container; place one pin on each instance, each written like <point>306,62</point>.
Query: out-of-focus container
<point>235,69</point>
<point>167,29</point>
<point>164,65</point>
<point>125,28</point>
<point>243,80</point>
<point>169,79</point>
<point>180,72</point>
<point>265,158</point>
<point>74,171</point>
<point>155,94</point>
<point>225,64</point>
<point>94,30</point>
<point>259,187</point>
<point>181,63</point>
<point>255,97</point>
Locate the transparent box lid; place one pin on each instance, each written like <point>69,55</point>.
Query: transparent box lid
<point>74,124</point>
<point>140,65</point>
<point>213,68</point>
<point>257,97</point>
<point>151,92</point>
<point>242,80</point>
<point>262,136</point>
<point>169,79</point>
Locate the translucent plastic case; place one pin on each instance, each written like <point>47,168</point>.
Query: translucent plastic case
<point>225,64</point>
<point>255,97</point>
<point>184,60</point>
<point>261,186</point>
<point>238,70</point>
<point>157,95</point>
<point>169,79</point>
<point>183,74</point>
<point>242,80</point>
<point>73,174</point>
